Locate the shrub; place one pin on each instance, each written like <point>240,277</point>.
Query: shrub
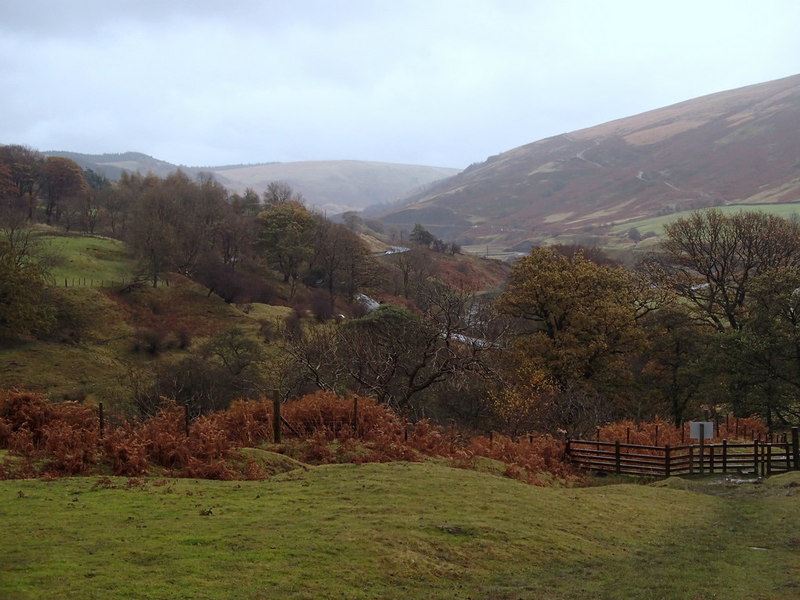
<point>148,340</point>
<point>125,452</point>
<point>64,439</point>
<point>659,432</point>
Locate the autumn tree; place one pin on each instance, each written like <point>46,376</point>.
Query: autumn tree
<point>62,179</point>
<point>152,232</point>
<point>286,238</point>
<point>339,258</point>
<point>118,201</point>
<point>279,192</point>
<point>24,176</point>
<point>411,267</point>
<point>577,329</point>
<point>198,214</point>
<point>247,204</point>
<point>8,191</point>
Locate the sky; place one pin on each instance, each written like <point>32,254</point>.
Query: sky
<point>431,82</point>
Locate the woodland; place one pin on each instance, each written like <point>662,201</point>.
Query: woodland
<point>563,341</point>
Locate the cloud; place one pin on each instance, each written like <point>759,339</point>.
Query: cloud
<point>435,82</point>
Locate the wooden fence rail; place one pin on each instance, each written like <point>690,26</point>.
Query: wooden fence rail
<point>756,457</point>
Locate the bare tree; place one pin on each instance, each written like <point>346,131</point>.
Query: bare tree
<point>712,258</point>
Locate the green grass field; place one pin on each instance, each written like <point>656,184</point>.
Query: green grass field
<point>87,258</point>
<point>397,530</point>
<point>656,224</point>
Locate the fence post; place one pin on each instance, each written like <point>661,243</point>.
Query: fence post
<point>628,435</point>
<point>768,466</point>
<point>667,461</point>
<point>691,459</point>
<point>276,418</point>
<point>102,420</point>
<point>702,445</point>
<point>711,458</point>
<point>795,449</point>
<point>656,440</point>
<point>617,457</point>
<point>725,456</point>
<point>755,457</point>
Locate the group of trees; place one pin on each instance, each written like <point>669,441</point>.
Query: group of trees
<point>410,359</point>
<point>190,226</point>
<point>53,189</point>
<point>708,322</point>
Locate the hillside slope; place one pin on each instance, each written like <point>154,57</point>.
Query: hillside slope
<point>739,146</point>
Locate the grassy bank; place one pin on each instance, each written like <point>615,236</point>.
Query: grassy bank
<point>87,260</point>
<point>395,530</point>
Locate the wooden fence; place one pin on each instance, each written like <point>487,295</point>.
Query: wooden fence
<point>756,457</point>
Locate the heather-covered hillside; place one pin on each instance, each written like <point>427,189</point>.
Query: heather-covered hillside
<point>734,147</point>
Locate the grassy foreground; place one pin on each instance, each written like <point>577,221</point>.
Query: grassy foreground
<point>398,530</point>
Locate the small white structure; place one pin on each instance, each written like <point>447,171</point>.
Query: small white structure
<point>706,427</point>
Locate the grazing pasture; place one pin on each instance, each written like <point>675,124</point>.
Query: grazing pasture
<point>392,530</point>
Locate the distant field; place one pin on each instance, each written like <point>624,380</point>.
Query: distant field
<point>656,224</point>
<point>85,258</point>
<point>618,240</point>
<point>397,530</point>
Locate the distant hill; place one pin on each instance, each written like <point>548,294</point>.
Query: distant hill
<point>333,186</point>
<point>735,147</point>
<point>337,185</point>
<point>112,165</point>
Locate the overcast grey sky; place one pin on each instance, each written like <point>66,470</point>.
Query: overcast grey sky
<point>436,82</point>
